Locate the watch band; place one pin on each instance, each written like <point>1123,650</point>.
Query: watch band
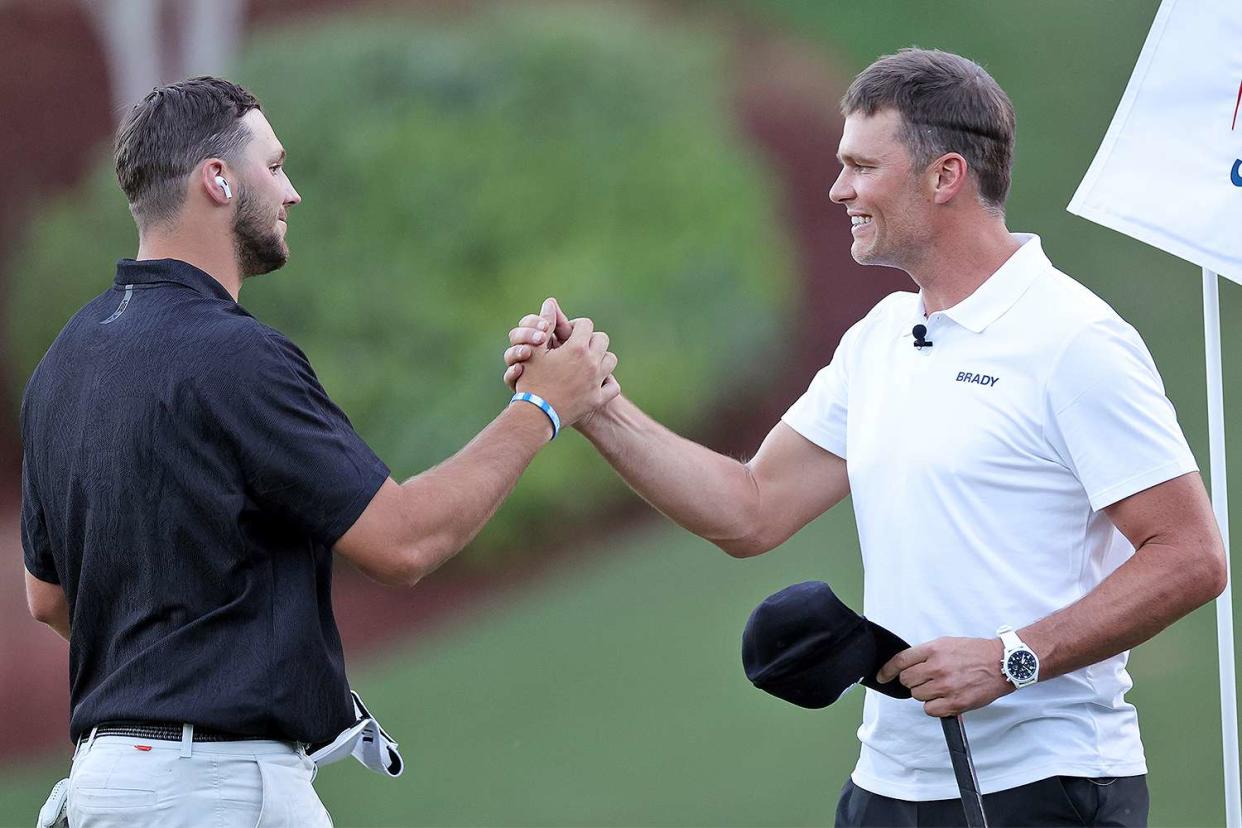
<point>1010,638</point>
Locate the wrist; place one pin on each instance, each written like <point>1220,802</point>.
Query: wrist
<point>529,398</point>
<point>1019,664</point>
<point>593,423</point>
<point>527,422</point>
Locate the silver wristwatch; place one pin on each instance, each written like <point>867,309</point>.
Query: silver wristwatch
<point>1019,664</point>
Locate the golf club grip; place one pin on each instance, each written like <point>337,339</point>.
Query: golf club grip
<point>964,770</point>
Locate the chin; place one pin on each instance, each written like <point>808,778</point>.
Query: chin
<point>260,260</point>
<point>864,257</point>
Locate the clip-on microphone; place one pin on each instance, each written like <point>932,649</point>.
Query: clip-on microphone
<point>919,332</point>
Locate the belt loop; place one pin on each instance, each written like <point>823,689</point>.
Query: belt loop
<point>187,740</point>
<point>83,739</point>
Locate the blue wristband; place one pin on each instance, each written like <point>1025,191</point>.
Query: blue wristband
<point>544,406</point>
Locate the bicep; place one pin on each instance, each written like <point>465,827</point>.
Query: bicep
<point>46,600</point>
<point>1176,512</point>
<point>797,481</point>
<point>376,541</point>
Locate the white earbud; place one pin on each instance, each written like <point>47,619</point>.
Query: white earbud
<point>224,185</point>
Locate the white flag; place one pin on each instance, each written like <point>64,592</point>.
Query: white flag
<point>1169,172</point>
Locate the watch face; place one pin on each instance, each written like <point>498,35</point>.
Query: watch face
<point>1021,665</point>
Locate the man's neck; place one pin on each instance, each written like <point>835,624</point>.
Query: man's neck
<point>959,263</point>
<point>211,256</point>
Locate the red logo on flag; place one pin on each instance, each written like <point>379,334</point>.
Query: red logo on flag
<point>1235,174</point>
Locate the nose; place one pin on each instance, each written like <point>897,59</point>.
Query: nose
<point>291,194</point>
<point>841,191</point>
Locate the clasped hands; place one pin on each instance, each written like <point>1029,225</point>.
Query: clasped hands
<point>949,675</point>
<point>565,361</point>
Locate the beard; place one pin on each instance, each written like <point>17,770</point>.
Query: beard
<point>260,249</point>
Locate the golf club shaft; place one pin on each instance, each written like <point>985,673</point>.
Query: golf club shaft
<point>964,770</point>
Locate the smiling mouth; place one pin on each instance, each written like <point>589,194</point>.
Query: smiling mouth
<point>859,221</point>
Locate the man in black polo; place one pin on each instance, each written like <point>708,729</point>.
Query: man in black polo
<point>186,480</point>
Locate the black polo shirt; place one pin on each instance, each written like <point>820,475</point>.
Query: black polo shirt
<point>185,477</point>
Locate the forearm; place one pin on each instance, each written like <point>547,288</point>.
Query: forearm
<point>449,503</point>
<point>709,494</point>
<point>1158,585</point>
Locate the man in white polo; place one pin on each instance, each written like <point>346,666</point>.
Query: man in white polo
<point>1026,503</point>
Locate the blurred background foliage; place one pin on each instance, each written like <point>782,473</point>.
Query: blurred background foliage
<point>457,170</point>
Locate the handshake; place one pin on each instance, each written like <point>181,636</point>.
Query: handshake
<point>565,361</point>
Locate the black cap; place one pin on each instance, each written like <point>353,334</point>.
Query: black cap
<point>805,646</point>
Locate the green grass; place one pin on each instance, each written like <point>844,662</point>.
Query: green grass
<point>612,694</point>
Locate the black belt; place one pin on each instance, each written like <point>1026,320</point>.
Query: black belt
<point>172,732</point>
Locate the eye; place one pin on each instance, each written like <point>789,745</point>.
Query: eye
<point>276,168</point>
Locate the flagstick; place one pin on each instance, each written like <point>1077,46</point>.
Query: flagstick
<point>1220,504</point>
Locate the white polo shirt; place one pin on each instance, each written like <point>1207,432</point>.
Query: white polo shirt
<point>979,468</point>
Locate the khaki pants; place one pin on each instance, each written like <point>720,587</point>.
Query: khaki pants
<point>132,782</point>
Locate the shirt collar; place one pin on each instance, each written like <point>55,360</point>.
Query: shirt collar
<point>1001,290</point>
<point>154,271</point>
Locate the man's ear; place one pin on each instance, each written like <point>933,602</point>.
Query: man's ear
<point>948,175</point>
<point>213,177</point>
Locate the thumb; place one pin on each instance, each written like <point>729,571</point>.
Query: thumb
<point>548,312</point>
<point>562,326</point>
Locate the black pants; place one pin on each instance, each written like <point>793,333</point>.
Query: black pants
<point>1119,802</point>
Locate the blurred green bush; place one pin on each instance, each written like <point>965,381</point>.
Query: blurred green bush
<point>455,171</point>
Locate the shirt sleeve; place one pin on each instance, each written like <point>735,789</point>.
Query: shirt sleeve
<point>820,414</point>
<point>1108,418</point>
<point>299,453</point>
<point>36,548</point>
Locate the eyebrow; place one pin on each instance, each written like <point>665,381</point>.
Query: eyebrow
<point>280,159</point>
<point>856,159</point>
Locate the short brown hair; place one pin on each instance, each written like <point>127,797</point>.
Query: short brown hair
<point>947,104</point>
<point>168,133</point>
